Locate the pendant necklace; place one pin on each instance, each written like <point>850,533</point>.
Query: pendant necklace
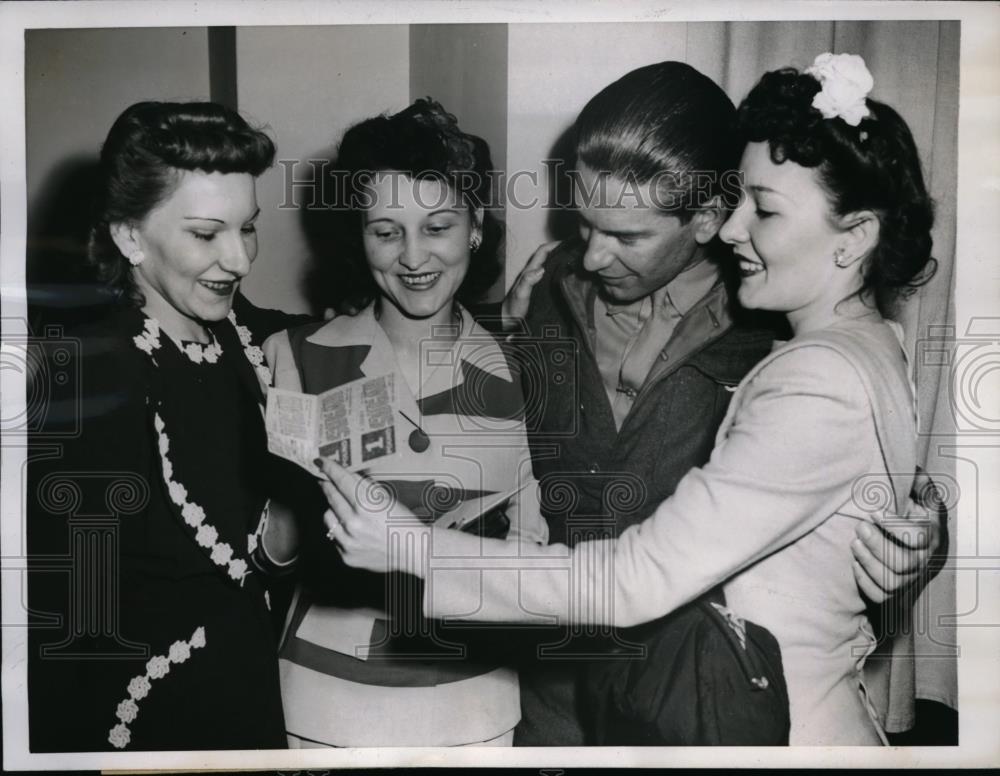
<point>418,439</point>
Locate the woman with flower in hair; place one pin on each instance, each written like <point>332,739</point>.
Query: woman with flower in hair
<point>164,637</point>
<point>415,242</point>
<point>833,224</point>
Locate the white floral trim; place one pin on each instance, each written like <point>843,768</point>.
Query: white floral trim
<point>149,340</point>
<point>157,667</point>
<point>194,515</point>
<point>208,353</point>
<point>845,83</point>
<point>221,553</point>
<point>253,353</point>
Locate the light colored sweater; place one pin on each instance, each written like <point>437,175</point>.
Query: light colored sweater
<point>798,462</point>
<point>344,681</point>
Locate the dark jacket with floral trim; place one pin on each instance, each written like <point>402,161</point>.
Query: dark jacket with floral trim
<point>148,480</point>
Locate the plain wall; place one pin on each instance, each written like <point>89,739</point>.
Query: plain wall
<point>309,84</point>
<point>464,67</point>
<point>551,76</point>
<point>78,81</point>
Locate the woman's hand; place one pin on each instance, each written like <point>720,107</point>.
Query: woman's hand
<point>892,557</point>
<point>372,530</point>
<point>516,303</point>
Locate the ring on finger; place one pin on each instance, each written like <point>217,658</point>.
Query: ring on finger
<point>331,534</point>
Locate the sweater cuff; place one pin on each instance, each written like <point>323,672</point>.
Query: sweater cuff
<point>264,563</point>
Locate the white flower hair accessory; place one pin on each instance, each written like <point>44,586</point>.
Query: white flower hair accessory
<point>845,83</point>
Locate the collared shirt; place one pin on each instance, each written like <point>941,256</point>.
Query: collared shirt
<point>629,337</point>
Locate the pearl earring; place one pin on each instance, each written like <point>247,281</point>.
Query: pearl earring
<point>136,258</point>
<point>475,241</point>
<point>840,257</point>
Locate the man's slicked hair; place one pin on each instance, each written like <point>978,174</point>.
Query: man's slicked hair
<point>666,122</point>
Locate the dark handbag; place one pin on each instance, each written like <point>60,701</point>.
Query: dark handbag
<point>493,524</point>
<point>698,684</point>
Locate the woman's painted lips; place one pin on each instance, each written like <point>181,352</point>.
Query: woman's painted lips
<point>420,281</point>
<point>748,267</point>
<point>220,287</point>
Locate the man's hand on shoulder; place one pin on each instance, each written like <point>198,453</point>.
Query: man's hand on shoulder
<point>518,300</point>
<point>902,556</point>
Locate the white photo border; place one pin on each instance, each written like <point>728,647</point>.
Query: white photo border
<point>977,293</point>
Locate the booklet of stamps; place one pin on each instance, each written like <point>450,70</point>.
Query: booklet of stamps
<point>353,424</point>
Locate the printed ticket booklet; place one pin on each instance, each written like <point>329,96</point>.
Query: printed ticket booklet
<point>353,424</point>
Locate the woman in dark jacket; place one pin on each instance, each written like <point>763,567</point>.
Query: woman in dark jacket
<point>162,637</point>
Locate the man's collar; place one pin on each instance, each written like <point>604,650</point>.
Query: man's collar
<point>691,286</point>
<point>682,293</point>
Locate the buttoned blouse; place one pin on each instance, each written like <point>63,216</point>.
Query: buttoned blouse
<point>629,337</point>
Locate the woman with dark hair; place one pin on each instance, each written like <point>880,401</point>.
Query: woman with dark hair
<point>834,222</point>
<point>359,667</point>
<point>424,141</point>
<point>173,648</point>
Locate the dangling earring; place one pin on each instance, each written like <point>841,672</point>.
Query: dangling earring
<point>840,257</point>
<point>135,259</point>
<point>475,241</point>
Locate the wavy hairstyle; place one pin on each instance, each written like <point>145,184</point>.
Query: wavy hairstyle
<point>146,147</point>
<point>665,121</point>
<point>421,141</point>
<point>873,166</point>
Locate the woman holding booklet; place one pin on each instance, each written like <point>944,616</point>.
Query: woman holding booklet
<point>359,665</point>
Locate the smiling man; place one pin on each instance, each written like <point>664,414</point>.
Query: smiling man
<point>658,352</point>
<point>642,296</point>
